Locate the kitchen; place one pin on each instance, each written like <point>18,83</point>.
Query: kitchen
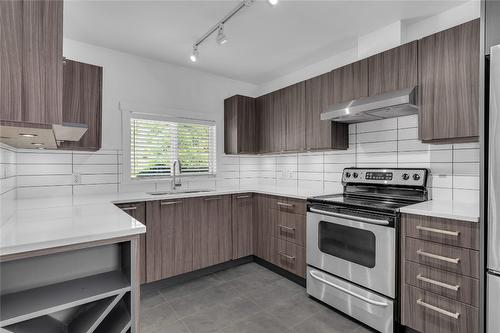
<point>161,177</point>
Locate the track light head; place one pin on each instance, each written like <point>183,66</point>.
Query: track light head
<point>221,36</point>
<point>273,2</point>
<point>194,55</point>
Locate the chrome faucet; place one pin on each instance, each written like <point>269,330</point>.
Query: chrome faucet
<point>176,167</point>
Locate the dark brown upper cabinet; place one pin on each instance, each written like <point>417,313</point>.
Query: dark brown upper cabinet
<point>294,112</point>
<point>82,103</point>
<point>342,84</point>
<point>31,66</point>
<point>449,85</point>
<point>393,69</point>
<point>240,127</point>
<point>271,125</point>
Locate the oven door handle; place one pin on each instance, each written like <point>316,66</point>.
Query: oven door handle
<point>350,217</point>
<point>363,298</point>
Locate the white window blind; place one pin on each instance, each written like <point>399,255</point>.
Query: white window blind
<point>156,144</point>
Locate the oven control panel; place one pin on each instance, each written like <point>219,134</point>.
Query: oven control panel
<point>395,176</point>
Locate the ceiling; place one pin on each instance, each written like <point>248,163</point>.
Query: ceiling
<point>264,42</point>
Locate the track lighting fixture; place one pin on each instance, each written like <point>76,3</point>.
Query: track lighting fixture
<point>194,55</point>
<point>219,27</point>
<point>221,37</point>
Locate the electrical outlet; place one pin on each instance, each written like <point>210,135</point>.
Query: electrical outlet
<point>77,178</point>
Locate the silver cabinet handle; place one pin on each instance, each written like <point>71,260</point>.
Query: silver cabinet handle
<point>243,196</point>
<point>438,231</point>
<point>286,256</point>
<point>422,253</point>
<point>437,283</point>
<point>438,310</point>
<point>350,217</point>
<point>170,202</point>
<point>344,290</point>
<point>285,227</point>
<point>210,199</point>
<point>284,204</point>
<point>129,208</point>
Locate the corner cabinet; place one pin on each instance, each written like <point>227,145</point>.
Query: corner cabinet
<point>82,103</point>
<point>240,130</point>
<point>449,85</point>
<point>242,217</point>
<point>31,36</point>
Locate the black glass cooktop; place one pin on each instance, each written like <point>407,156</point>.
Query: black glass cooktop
<point>384,204</point>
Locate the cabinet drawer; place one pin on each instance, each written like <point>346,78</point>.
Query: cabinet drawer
<point>458,287</point>
<point>427,312</point>
<point>445,231</point>
<point>289,256</point>
<point>290,227</point>
<point>289,205</point>
<point>449,258</point>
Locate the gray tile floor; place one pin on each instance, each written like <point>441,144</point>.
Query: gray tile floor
<point>244,299</point>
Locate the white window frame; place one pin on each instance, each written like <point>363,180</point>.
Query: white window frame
<point>126,143</point>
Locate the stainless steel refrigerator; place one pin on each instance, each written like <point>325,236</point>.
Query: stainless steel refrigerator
<point>493,231</point>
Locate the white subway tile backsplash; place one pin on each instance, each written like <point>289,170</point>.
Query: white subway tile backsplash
<point>378,125</point>
<point>380,136</point>
<point>408,121</point>
<point>469,196</point>
<point>385,143</point>
<point>466,155</point>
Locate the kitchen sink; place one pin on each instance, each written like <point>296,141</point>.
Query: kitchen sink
<point>178,192</point>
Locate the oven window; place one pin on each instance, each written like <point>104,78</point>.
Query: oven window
<point>348,243</point>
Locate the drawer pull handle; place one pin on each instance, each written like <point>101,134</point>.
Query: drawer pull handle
<point>438,310</point>
<point>211,199</point>
<point>347,291</point>
<point>437,283</point>
<point>129,208</point>
<point>170,203</point>
<point>286,256</point>
<point>281,226</point>
<point>283,204</point>
<point>438,231</point>
<point>438,257</point>
<point>243,196</point>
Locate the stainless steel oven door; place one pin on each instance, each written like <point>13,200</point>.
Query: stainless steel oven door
<point>355,250</point>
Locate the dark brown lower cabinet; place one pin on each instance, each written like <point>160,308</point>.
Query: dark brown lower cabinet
<point>169,239</point>
<point>138,211</point>
<point>242,207</point>
<point>289,256</point>
<point>212,234</point>
<point>263,226</point>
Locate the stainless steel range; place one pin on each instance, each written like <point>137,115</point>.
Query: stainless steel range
<point>352,245</point>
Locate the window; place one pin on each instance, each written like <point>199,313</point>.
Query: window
<point>156,144</point>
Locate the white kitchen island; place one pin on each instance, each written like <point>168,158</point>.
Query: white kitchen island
<point>69,267</point>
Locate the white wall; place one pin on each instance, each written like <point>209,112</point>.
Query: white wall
<point>147,82</point>
<point>385,38</point>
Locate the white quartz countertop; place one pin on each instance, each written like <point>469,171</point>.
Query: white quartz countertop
<point>456,210</point>
<point>43,223</point>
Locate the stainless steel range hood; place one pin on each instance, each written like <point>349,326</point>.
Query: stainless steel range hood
<point>389,105</point>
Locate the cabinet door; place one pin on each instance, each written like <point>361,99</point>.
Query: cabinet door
<point>242,220</point>
<point>177,238</point>
<point>294,116</point>
<point>42,61</point>
<point>449,80</point>
<point>349,82</point>
<point>138,211</point>
<point>264,106</point>
<point>82,102</point>
<point>277,121</point>
<point>212,232</point>
<point>11,40</point>
<point>263,230</point>
<point>318,132</point>
<point>240,128</point>
<point>393,69</point>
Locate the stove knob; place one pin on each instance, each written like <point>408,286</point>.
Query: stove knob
<point>355,175</point>
<point>416,176</point>
<point>347,174</point>
<point>406,176</point>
